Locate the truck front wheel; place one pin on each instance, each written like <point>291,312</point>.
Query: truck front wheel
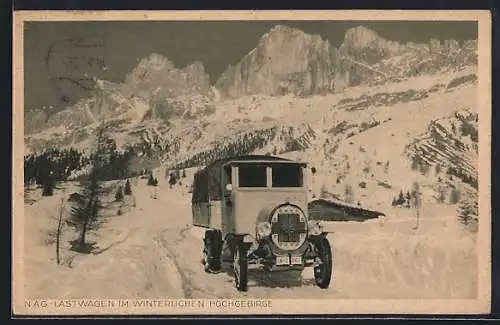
<point>323,271</point>
<point>240,267</point>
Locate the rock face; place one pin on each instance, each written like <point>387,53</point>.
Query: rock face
<point>170,92</point>
<point>364,44</point>
<point>286,60</point>
<point>156,76</point>
<point>154,89</point>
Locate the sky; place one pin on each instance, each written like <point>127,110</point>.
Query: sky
<point>55,51</point>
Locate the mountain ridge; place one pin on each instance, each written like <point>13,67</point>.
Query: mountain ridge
<point>325,68</point>
<point>191,122</point>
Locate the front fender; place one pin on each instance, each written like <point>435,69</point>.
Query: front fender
<point>266,212</point>
<point>314,239</point>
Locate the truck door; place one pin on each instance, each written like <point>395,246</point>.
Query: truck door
<point>227,200</point>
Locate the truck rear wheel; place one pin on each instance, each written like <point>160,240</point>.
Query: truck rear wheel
<point>323,271</point>
<point>212,250</point>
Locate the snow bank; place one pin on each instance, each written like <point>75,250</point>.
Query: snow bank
<point>396,261</point>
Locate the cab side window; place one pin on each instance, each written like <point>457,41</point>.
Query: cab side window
<point>227,174</point>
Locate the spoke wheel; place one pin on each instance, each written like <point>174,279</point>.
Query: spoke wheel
<point>240,268</point>
<point>323,271</point>
<point>212,251</point>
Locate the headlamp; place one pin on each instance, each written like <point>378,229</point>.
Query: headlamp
<point>315,227</point>
<point>263,229</point>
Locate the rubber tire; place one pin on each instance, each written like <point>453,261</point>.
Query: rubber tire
<point>325,269</point>
<point>213,249</point>
<point>242,282</point>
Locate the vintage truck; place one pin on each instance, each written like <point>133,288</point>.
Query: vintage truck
<point>255,209</point>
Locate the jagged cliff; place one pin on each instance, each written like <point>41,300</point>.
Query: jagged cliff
<point>287,60</point>
<point>154,89</point>
<point>156,76</point>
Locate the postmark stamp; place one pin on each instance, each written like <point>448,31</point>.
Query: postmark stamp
<point>72,64</point>
<point>248,162</point>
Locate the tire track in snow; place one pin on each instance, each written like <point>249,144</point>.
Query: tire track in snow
<point>188,287</point>
<point>177,270</point>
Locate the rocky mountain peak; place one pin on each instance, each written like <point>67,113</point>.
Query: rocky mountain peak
<point>367,45</point>
<point>360,37</point>
<point>286,60</point>
<point>157,76</point>
<point>283,29</point>
<point>155,61</point>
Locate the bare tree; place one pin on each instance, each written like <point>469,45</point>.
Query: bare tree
<point>441,194</point>
<point>60,225</point>
<point>54,235</point>
<point>417,201</point>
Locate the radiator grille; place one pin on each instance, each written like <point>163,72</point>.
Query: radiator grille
<point>289,227</point>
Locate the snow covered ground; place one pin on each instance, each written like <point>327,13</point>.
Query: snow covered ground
<point>151,250</point>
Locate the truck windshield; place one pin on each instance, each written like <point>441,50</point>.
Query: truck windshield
<point>252,176</point>
<point>287,176</point>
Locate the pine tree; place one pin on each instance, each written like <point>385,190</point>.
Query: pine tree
<point>183,173</point>
<point>151,180</point>
<point>119,194</point>
<point>172,180</point>
<point>401,198</point>
<point>85,213</point>
<point>437,169</point>
<point>128,188</point>
<point>48,186</point>
<point>407,199</point>
<point>454,196</point>
<point>467,212</point>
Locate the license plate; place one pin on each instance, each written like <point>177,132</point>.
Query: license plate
<point>296,260</point>
<point>282,260</point>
